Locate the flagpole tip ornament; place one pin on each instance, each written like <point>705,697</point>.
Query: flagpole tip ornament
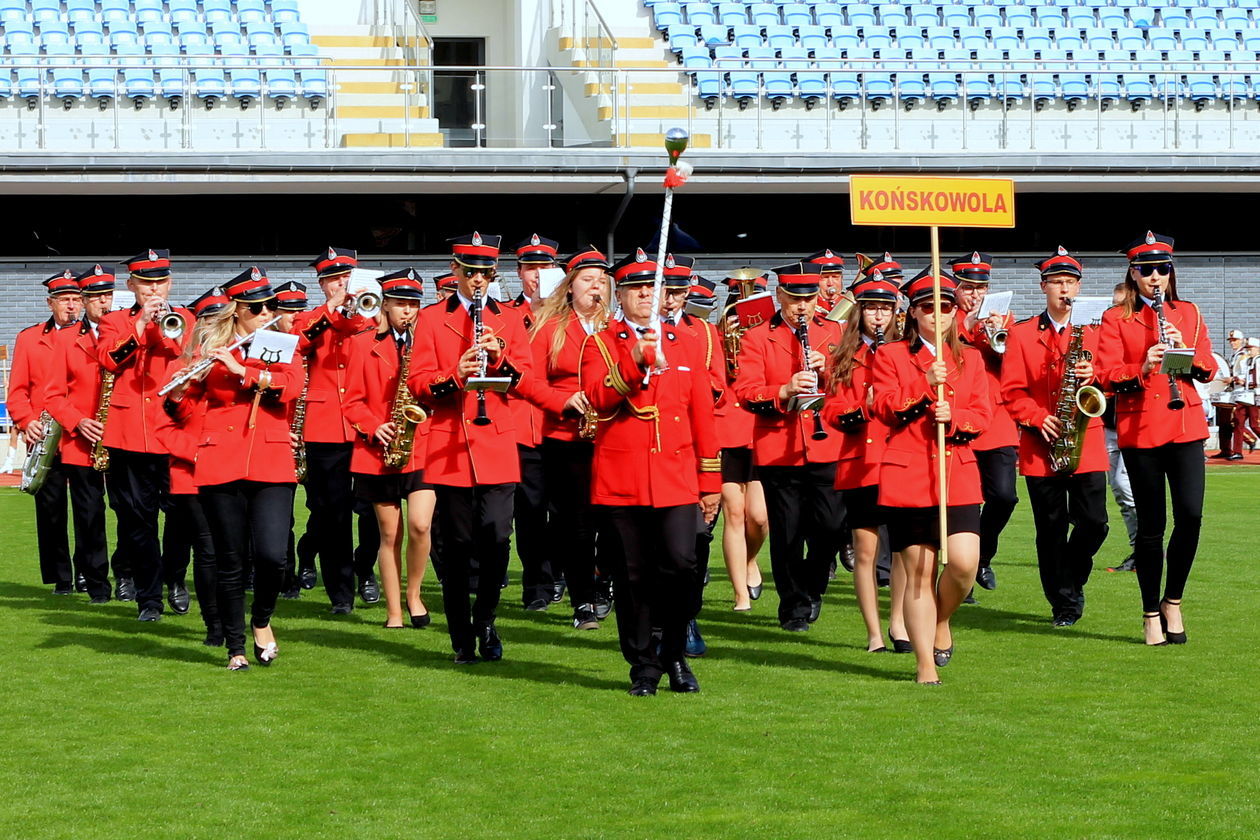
<point>676,143</point>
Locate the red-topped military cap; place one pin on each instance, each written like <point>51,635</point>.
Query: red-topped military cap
<point>799,279</point>
<point>677,271</point>
<point>96,281</point>
<point>589,258</point>
<point>404,284</point>
<point>829,259</point>
<point>62,283</point>
<point>291,297</point>
<point>974,267</point>
<point>634,269</point>
<point>1060,262</point>
<point>475,250</point>
<point>537,250</point>
<point>250,286</point>
<point>1150,248</point>
<point>919,287</point>
<point>334,262</point>
<point>882,263</point>
<point>212,301</point>
<point>150,265</point>
<point>445,281</point>
<point>874,289</point>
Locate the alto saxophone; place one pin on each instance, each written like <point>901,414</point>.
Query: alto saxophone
<point>1076,404</point>
<point>588,423</point>
<point>405,414</point>
<point>298,427</point>
<point>100,455</point>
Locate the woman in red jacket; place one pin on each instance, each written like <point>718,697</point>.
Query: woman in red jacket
<point>577,308</point>
<point>861,449</point>
<point>1158,438</point>
<point>371,393</point>
<point>905,379</point>
<point>245,473</point>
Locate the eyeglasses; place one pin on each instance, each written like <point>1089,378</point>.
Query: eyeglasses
<point>927,308</point>
<point>1147,269</point>
<point>468,271</point>
<point>257,307</point>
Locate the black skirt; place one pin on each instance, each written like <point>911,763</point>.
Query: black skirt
<point>920,526</point>
<point>393,487</point>
<point>862,508</point>
<point>738,466</point>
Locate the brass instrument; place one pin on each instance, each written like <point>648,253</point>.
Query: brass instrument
<point>997,338</point>
<point>198,368</point>
<point>733,334</point>
<point>172,323</point>
<point>1175,402</point>
<point>366,303</point>
<point>297,427</point>
<point>1075,405</point>
<point>100,455</point>
<point>588,423</point>
<point>40,457</point>
<point>405,414</point>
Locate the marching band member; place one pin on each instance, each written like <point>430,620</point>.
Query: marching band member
<point>577,308</point>
<point>655,459</point>
<point>446,284</point>
<point>187,529</point>
<point>290,303</point>
<point>830,278</point>
<point>137,345</point>
<point>796,463</point>
<point>1064,497</point>
<point>996,449</point>
<point>538,579</point>
<point>73,394</point>
<point>1159,423</point>
<point>744,516</point>
<point>1247,390</point>
<point>326,331</point>
<point>472,459</point>
<point>244,464</point>
<point>863,440</point>
<point>388,470</point>
<point>905,380</point>
<point>33,353</point>
<point>1225,413</point>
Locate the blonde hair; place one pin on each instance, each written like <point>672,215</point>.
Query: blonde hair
<point>215,331</point>
<point>558,306</point>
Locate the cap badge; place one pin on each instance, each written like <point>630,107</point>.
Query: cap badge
<point>476,239</point>
<point>332,253</point>
<point>639,256</point>
<point>152,255</point>
<point>975,257</point>
<point>669,260</point>
<point>1150,238</point>
<point>67,275</point>
<point>1062,252</point>
<point>534,240</point>
<point>877,275</point>
<point>411,274</point>
<point>255,274</point>
<point>96,269</point>
<point>828,254</point>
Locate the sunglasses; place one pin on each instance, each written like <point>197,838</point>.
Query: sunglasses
<point>257,307</point>
<point>927,308</point>
<point>1147,269</point>
<point>488,273</point>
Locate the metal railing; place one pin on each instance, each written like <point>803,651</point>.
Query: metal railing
<point>848,106</point>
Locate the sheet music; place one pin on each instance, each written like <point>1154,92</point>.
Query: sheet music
<point>272,347</point>
<point>549,279</point>
<point>124,299</point>
<point>1088,310</point>
<point>363,280</point>
<point>995,303</point>
<point>1177,361</point>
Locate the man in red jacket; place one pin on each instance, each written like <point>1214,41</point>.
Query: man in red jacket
<point>325,332</point>
<point>996,448</point>
<point>655,459</point>
<point>137,346</point>
<point>472,458</point>
<point>33,354</point>
<point>74,385</point>
<point>797,466</point>
<point>1062,498</point>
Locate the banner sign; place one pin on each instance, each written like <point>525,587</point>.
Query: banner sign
<point>894,200</point>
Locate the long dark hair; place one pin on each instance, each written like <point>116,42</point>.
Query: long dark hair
<point>840,366</point>
<point>1129,304</point>
<point>951,336</point>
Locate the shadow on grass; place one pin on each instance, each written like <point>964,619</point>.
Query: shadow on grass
<point>992,619</point>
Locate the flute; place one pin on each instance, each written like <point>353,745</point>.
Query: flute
<point>199,367</point>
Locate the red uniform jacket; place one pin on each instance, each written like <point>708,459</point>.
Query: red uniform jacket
<point>1031,376</point>
<point>903,400</point>
<point>1143,418</point>
<point>863,436</point>
<point>33,353</point>
<point>560,376</point>
<point>324,336</point>
<point>461,453</point>
<point>139,363</point>
<point>228,449</point>
<point>527,416</point>
<point>769,356</point>
<point>74,388</point>
<point>659,448</point>
<point>180,432</point>
<point>373,378</point>
<point>1002,430</point>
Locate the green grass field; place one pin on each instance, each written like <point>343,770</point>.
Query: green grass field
<point>112,728</point>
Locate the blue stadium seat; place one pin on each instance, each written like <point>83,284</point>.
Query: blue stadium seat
<point>1073,85</point>
<point>154,36</point>
<point>841,76</point>
<point>149,10</point>
<point>1112,17</point>
<point>251,11</point>
<point>875,82</point>
<point>666,15</point>
<point>67,79</point>
<point>780,36</point>
<point>1040,85</point>
<point>987,17</point>
<point>911,87</point>
<point>137,75</point>
<point>1224,40</point>
<point>745,83</point>
<point>909,38</point>
<point>974,38</point>
<point>77,10</point>
<point>1018,16</point>
<point>941,37</point>
<point>208,81</point>
<point>892,15</point>
<point>89,34</point>
<point>844,37</point>
<point>746,35</point>
<point>228,38</point>
<point>829,14</point>
<point>1251,40</point>
<point>729,14</point>
<point>811,82</point>
<point>1174,18</point>
<point>246,81</point>
<point>861,15</point>
<point>29,85</point>
<point>1099,39</point>
<point>956,15</point>
<point>1081,17</point>
<point>1193,39</point>
<point>123,32</point>
<point>1037,39</point>
<point>171,81</point>
<point>1233,86</point>
<point>294,35</point>
<point>1235,19</point>
<point>697,13</point>
<point>697,60</point>
<point>192,38</point>
<point>778,86</point>
<point>1143,17</point>
<point>1218,4</point>
<point>6,90</point>
<point>924,15</point>
<point>263,33</point>
<point>1161,39</point>
<point>1005,37</point>
<point>942,79</point>
<point>765,14</point>
<point>281,79</point>
<point>682,35</point>
<point>42,10</point>
<point>1067,38</point>
<point>311,73</point>
<point>1049,17</point>
<point>877,37</point>
<point>1131,39</point>
<point>1138,89</point>
<point>112,10</point>
<point>1107,77</point>
<point>812,37</point>
<point>713,34</point>
<point>53,32</point>
<point>797,14</point>
<point>285,11</point>
<point>976,87</point>
<point>1008,79</point>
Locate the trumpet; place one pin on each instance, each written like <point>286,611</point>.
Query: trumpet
<point>172,323</point>
<point>198,368</point>
<point>997,338</point>
<point>366,303</point>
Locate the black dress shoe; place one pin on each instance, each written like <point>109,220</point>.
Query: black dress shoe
<point>421,621</point>
<point>795,625</point>
<point>465,657</point>
<point>306,578</point>
<point>642,687</point>
<point>178,598</point>
<point>293,593</point>
<point>754,592</point>
<point>63,587</point>
<point>584,618</point>
<point>369,590</point>
<point>681,680</point>
<point>80,583</point>
<point>99,599</point>
<point>971,597</point>
<point>125,590</point>
<point>986,578</point>
<point>537,605</point>
<point>694,645</point>
<point>942,657</point>
<point>1126,565</point>
<point>1065,620</point>
<point>342,609</point>
<point>150,614</point>
<point>557,591</point>
<point>489,643</point>
<point>848,558</point>
<point>815,609</point>
<point>1235,457</point>
<point>900,645</point>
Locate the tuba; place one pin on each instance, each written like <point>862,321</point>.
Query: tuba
<point>40,457</point>
<point>100,455</point>
<point>406,414</point>
<point>1075,405</point>
<point>733,334</point>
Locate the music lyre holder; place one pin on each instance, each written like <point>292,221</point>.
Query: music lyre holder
<point>498,384</point>
<point>805,402</point>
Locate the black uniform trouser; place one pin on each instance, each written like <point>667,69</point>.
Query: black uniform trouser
<point>245,516</point>
<point>331,506</point>
<point>188,530</point>
<point>997,486</point>
<point>571,521</point>
<point>137,483</point>
<point>476,526</point>
<point>652,558</point>
<point>87,508</point>
<point>1059,503</point>
<point>803,507</point>
<point>1181,465</point>
<point>51,527</point>
<point>530,514</point>
<point>368,542</point>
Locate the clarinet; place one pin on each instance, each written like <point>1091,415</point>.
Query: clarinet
<point>483,360</point>
<point>1175,402</point>
<point>802,333</point>
<point>879,337</point>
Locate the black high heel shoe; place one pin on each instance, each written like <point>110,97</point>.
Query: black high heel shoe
<point>1171,637</point>
<point>1147,616</point>
<point>266,655</point>
<point>421,621</point>
<point>900,645</point>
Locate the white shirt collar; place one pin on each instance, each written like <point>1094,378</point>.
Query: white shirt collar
<point>467,302</point>
<point>929,346</point>
<point>867,340</point>
<point>1057,326</point>
<point>1148,301</point>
